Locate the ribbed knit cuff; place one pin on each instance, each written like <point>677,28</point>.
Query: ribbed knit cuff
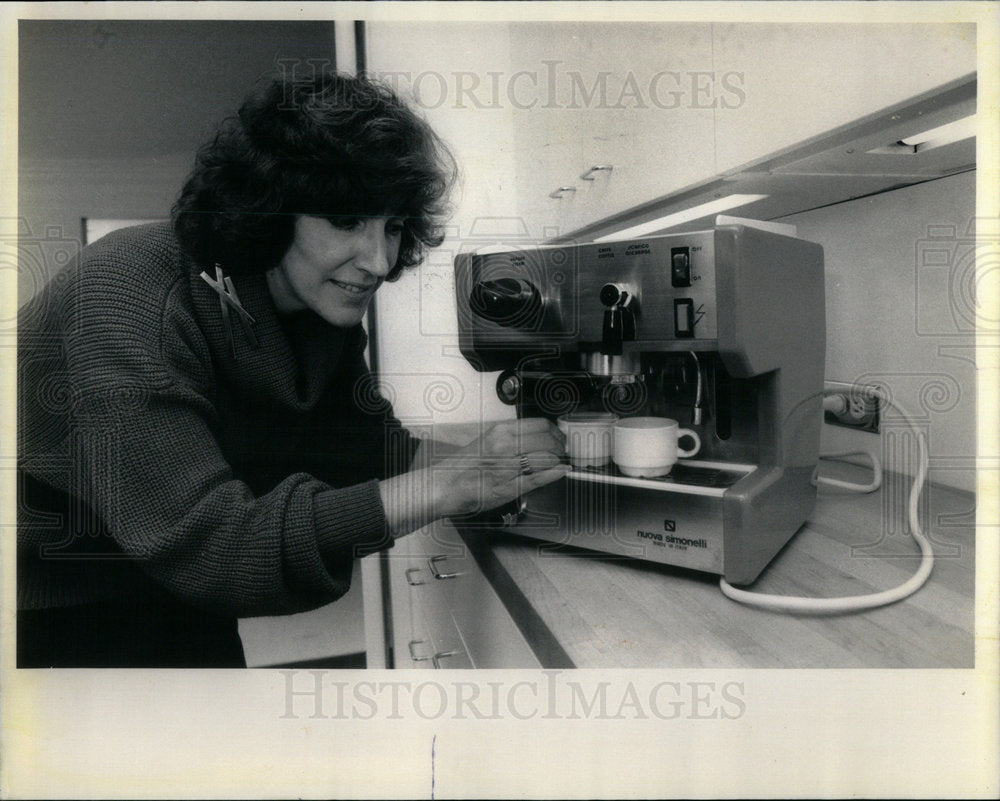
<point>351,520</point>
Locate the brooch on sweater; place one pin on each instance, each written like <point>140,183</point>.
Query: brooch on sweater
<point>223,286</point>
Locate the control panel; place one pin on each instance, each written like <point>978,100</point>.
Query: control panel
<point>667,283</point>
<point>657,292</point>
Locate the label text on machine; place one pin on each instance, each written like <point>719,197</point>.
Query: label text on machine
<point>669,539</point>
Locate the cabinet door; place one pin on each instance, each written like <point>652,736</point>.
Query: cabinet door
<point>801,80</point>
<point>424,634</point>
<point>615,95</point>
<point>490,635</point>
<point>531,107</point>
<point>669,105</point>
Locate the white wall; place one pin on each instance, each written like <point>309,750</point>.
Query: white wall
<point>900,285</point>
<point>423,373</point>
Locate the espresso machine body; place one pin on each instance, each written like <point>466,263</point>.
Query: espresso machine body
<point>721,329</point>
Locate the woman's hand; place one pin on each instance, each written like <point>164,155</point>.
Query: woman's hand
<point>514,437</point>
<point>509,459</point>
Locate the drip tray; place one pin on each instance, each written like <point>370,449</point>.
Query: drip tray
<point>686,474</point>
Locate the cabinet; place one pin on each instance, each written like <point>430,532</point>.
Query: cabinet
<point>670,105</point>
<point>530,107</point>
<point>637,98</point>
<point>801,80</point>
<point>445,613</point>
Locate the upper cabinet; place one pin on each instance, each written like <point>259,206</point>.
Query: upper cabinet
<point>570,123</point>
<point>622,113</point>
<point>663,107</point>
<point>803,80</point>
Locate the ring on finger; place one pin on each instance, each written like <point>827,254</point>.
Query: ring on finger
<point>525,465</point>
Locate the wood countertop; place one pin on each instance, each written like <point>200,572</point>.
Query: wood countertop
<point>588,610</point>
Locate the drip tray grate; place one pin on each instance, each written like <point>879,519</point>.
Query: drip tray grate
<point>685,474</point>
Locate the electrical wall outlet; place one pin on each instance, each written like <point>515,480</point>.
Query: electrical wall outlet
<point>859,408</point>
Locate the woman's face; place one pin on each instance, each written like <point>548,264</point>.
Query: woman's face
<point>334,269</point>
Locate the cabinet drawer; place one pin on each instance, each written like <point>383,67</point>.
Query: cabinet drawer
<point>451,613</point>
<point>449,651</point>
<point>423,632</point>
<point>433,582</point>
<point>411,643</point>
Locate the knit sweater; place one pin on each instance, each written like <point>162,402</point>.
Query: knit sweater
<point>148,452</point>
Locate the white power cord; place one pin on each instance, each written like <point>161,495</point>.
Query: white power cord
<point>876,481</point>
<point>855,603</point>
<point>837,403</point>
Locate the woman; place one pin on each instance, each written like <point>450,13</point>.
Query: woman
<point>198,435</point>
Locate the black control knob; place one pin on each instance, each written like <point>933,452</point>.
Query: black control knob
<point>506,301</point>
<point>611,294</point>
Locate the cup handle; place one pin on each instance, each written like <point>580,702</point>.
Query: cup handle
<point>687,432</point>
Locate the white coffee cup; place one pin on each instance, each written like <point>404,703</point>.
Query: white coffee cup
<point>646,447</point>
<point>589,437</point>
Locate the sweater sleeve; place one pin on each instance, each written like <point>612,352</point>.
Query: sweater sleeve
<point>148,462</point>
<point>397,444</point>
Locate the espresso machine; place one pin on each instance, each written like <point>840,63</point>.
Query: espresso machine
<point>722,330</point>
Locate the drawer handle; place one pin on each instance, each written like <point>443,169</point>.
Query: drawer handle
<point>410,581</point>
<point>432,564</point>
<point>561,191</point>
<point>589,174</point>
<point>413,656</point>
<point>436,659</point>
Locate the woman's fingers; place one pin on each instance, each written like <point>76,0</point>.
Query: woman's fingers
<point>533,426</point>
<point>470,483</point>
<point>542,441</point>
<point>528,424</point>
<point>532,481</point>
<point>537,461</point>
<point>504,469</point>
<point>534,470</point>
<point>523,436</point>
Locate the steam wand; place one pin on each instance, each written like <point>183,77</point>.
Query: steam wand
<point>699,403</point>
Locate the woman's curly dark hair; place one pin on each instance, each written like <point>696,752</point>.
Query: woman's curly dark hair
<point>337,147</point>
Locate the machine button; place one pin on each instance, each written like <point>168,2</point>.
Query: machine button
<point>683,317</point>
<point>680,267</point>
